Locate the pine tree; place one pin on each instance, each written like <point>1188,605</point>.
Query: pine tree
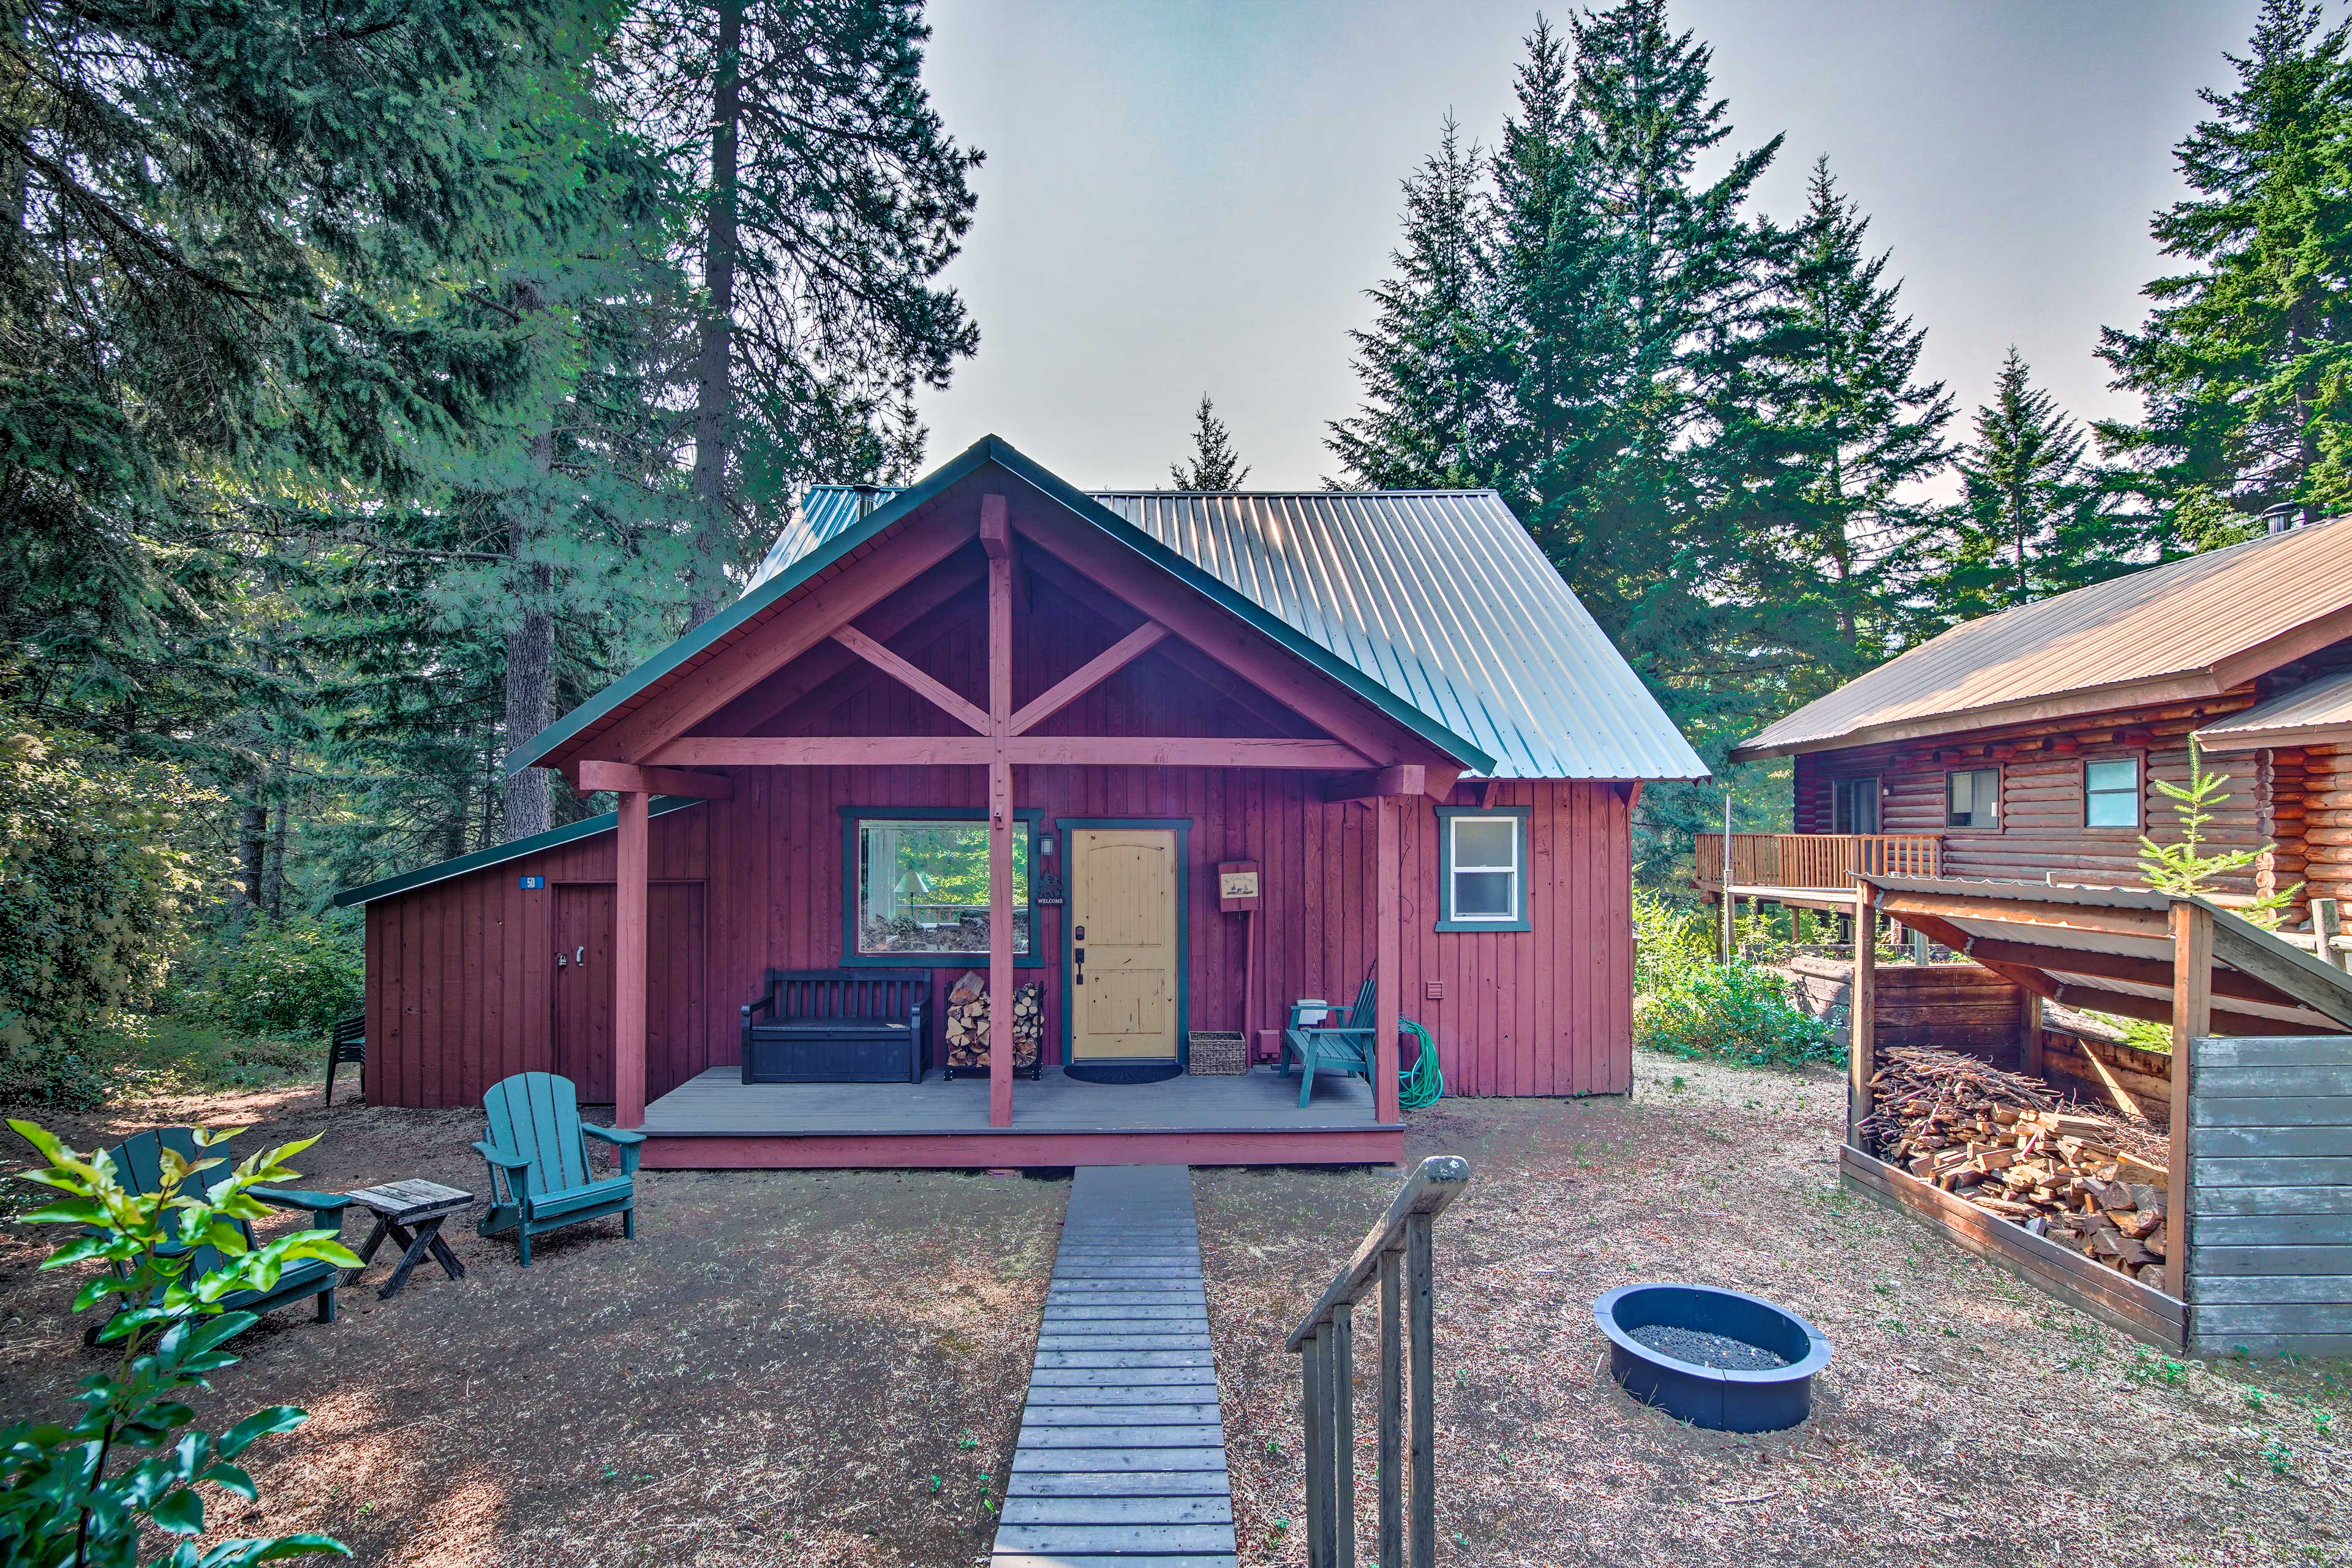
<point>2245,360</point>
<point>833,196</point>
<point>1215,466</point>
<point>1856,435</point>
<point>1425,363</point>
<point>2034,519</point>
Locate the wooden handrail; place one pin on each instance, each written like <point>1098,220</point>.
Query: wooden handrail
<point>1817,861</point>
<point>1397,1252</point>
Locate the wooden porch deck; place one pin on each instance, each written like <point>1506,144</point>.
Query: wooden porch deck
<point>715,1120</point>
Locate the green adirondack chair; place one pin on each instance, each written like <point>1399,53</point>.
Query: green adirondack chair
<point>139,1162</point>
<point>1347,1046</point>
<point>538,1155</point>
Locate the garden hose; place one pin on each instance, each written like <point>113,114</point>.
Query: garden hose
<point>1424,1083</point>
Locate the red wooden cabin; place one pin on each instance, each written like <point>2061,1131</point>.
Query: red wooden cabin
<point>950,727</point>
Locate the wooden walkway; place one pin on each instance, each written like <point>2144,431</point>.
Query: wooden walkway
<point>1121,1462</point>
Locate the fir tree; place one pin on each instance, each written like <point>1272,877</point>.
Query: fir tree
<point>2035,519</point>
<point>1425,363</point>
<point>833,196</point>
<point>1214,465</point>
<point>2245,360</point>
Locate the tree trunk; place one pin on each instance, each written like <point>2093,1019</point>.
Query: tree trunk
<point>252,842</point>
<point>530,640</point>
<point>277,894</point>
<point>714,390</point>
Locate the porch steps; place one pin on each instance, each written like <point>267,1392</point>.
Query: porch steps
<point>1121,1459</point>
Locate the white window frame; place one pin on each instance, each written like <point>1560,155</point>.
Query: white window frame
<point>1517,917</point>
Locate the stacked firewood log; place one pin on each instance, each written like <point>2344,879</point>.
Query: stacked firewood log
<point>967,1023</point>
<point>2011,1145</point>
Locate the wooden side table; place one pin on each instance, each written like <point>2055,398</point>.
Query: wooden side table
<point>410,1213</point>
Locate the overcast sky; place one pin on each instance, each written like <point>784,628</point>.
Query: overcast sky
<point>1182,197</point>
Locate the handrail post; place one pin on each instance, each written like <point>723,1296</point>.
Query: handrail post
<point>1391,1466</point>
<point>1421,1310</point>
<point>1311,1421</point>
<point>1341,1398</point>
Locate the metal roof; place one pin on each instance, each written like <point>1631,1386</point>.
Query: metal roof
<point>1437,596</point>
<point>498,854</point>
<point>2190,628</point>
<point>2319,710</point>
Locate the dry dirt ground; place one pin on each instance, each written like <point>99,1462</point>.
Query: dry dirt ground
<point>1967,1419</point>
<point>782,1368</point>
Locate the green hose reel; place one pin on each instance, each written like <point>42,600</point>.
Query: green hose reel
<point>1424,1083</point>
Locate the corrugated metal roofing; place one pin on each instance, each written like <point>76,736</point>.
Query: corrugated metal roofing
<point>2314,710</point>
<point>2170,624</point>
<point>1438,596</point>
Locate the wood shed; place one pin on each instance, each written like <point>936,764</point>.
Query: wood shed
<point>2255,1243</point>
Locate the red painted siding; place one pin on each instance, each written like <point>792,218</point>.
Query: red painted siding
<point>460,974</point>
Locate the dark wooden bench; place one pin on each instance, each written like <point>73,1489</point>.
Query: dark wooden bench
<point>837,1026</point>
<point>348,1046</point>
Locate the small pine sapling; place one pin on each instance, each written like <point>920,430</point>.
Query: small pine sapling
<point>2185,868</point>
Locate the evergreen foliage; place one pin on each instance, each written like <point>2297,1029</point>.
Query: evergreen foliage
<point>1214,465</point>
<point>2184,866</point>
<point>2245,359</point>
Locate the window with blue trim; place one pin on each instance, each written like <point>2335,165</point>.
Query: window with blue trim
<point>919,886</point>
<point>1482,868</point>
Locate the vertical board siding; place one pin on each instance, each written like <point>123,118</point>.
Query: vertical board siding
<point>460,973</point>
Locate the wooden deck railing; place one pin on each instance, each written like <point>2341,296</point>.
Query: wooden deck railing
<point>1397,1252</point>
<point>1829,860</point>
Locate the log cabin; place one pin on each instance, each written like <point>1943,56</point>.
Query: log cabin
<point>2028,745</point>
<point>1157,763</point>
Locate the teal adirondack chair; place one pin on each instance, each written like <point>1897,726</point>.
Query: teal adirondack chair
<point>538,1155</point>
<point>1346,1047</point>
<point>139,1163</point>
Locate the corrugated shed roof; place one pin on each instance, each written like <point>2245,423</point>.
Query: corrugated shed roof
<point>2177,627</point>
<point>2317,709</point>
<point>1438,596</point>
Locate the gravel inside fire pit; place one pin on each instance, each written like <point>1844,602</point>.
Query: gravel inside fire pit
<point>1718,1351</point>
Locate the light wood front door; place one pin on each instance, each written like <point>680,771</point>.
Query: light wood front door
<point>1124,984</point>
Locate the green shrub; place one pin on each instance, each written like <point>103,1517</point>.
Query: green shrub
<point>1739,1012</point>
<point>296,978</point>
<point>97,876</point>
<point>1670,943</point>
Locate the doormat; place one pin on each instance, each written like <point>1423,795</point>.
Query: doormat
<point>1121,1072</point>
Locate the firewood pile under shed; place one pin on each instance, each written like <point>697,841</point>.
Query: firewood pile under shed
<point>2011,1145</point>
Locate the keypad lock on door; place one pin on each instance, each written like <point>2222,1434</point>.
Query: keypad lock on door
<point>1077,957</point>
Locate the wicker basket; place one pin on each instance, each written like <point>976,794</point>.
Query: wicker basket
<point>1217,1051</point>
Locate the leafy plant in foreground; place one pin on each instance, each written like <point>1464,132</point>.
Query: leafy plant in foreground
<point>81,1494</point>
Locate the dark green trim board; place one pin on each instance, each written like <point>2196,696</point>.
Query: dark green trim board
<point>497,854</point>
<point>1182,827</point>
<point>986,450</point>
<point>1445,816</point>
<point>851,958</point>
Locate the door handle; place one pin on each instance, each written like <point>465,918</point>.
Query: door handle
<point>580,955</point>
<point>1079,969</point>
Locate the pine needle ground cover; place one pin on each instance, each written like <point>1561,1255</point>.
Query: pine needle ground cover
<point>1967,1419</point>
<point>820,1368</point>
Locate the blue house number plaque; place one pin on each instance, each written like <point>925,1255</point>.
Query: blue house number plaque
<point>532,883</point>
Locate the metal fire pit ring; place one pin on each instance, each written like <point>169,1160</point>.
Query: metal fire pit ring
<point>1713,1397</point>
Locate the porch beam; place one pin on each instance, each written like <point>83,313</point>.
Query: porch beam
<point>996,538</point>
<point>938,693</point>
<point>2156,972</point>
<point>915,546</point>
<point>1025,751</point>
<point>591,777</point>
<point>765,703</point>
<point>629,928</point>
<point>1402,779</point>
<point>1088,676</point>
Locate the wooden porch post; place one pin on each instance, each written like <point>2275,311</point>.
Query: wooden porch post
<point>1388,956</point>
<point>996,538</point>
<point>2192,1016</point>
<point>1862,1007</point>
<point>629,900</point>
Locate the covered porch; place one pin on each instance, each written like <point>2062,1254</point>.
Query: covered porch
<point>827,718</point>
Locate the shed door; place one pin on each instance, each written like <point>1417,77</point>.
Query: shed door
<point>1124,983</point>
<point>676,996</point>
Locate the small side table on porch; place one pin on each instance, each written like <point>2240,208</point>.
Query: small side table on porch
<point>410,1213</point>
